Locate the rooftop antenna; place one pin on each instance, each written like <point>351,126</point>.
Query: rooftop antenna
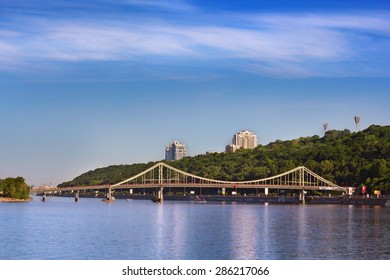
<point>325,126</point>
<point>357,122</point>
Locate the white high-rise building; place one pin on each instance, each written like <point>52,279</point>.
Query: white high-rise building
<point>175,151</point>
<point>245,139</point>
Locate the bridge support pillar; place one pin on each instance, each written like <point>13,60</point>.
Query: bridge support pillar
<point>109,196</point>
<point>303,196</point>
<point>266,191</point>
<point>77,196</point>
<point>160,194</point>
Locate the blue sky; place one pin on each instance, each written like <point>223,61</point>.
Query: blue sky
<point>86,84</point>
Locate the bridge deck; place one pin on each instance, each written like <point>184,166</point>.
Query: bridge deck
<point>146,186</point>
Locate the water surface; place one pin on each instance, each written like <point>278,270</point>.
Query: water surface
<point>62,229</point>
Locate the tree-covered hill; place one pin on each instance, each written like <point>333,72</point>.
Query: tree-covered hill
<point>348,159</point>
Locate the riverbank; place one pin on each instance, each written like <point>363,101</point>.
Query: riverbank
<point>10,200</point>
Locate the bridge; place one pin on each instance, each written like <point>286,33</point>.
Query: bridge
<point>162,175</point>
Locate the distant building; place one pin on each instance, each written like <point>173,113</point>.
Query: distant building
<point>231,148</point>
<point>175,151</point>
<point>245,139</point>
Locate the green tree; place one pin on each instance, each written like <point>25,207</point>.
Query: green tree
<point>15,188</point>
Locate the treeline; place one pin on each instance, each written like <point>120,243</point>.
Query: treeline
<point>14,188</point>
<point>348,159</point>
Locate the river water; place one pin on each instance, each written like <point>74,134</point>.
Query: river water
<point>61,229</point>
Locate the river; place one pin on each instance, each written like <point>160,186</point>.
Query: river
<point>60,229</point>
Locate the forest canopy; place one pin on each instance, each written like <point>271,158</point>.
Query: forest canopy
<point>346,158</point>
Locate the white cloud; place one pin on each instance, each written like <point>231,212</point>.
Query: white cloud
<point>99,42</point>
<point>268,45</point>
<point>9,58</point>
<point>174,5</point>
<point>103,41</point>
<point>379,23</point>
<point>275,43</point>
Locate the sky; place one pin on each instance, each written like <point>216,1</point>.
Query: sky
<point>90,83</point>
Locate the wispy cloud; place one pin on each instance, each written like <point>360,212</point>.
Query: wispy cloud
<point>299,44</point>
<point>106,41</point>
<point>173,5</point>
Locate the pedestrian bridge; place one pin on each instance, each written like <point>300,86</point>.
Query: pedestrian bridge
<point>162,175</point>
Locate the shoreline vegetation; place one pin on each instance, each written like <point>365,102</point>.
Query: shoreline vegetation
<point>11,200</point>
<point>14,190</point>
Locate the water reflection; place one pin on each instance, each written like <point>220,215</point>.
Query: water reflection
<point>245,227</point>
